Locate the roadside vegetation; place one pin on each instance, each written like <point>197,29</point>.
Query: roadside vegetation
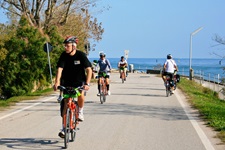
<point>30,96</point>
<point>211,108</point>
<point>24,66</point>
<point>5,103</point>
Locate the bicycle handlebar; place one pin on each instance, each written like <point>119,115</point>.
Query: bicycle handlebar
<point>104,71</point>
<point>71,91</point>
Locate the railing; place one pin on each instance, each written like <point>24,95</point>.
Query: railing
<point>210,80</point>
<point>215,82</point>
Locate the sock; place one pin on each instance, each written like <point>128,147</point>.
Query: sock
<point>98,88</point>
<point>80,109</point>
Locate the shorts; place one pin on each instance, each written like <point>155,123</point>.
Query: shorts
<point>101,74</point>
<point>171,75</point>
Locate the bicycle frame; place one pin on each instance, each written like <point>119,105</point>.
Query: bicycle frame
<point>71,105</point>
<point>168,86</point>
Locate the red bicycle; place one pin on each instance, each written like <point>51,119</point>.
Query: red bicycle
<point>71,116</point>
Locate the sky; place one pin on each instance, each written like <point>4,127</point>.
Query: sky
<point>155,28</point>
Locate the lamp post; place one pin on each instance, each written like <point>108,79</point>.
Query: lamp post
<point>190,69</point>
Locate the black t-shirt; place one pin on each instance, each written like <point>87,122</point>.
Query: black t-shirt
<point>73,73</point>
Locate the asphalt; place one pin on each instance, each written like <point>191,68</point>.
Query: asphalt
<point>136,116</point>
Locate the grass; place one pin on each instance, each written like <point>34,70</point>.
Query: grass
<point>30,96</point>
<point>35,95</point>
<point>211,108</point>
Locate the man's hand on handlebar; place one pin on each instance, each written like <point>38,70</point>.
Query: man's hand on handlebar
<point>55,86</point>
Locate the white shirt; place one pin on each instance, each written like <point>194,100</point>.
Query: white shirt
<point>122,63</point>
<point>170,65</point>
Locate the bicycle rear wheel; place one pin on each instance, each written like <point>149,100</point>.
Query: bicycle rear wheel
<point>67,128</point>
<point>167,90</point>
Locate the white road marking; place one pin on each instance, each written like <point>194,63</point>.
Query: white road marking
<point>15,112</point>
<point>205,141</point>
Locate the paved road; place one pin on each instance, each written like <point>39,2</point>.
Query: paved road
<point>137,116</point>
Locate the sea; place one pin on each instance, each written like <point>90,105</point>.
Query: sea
<point>208,68</point>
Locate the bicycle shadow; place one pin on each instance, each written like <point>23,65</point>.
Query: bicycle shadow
<point>29,144</point>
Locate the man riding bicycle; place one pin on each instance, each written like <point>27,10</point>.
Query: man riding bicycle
<point>104,68</point>
<point>169,68</point>
<point>75,70</point>
<point>122,65</point>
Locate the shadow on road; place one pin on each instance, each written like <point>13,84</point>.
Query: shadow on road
<point>131,94</point>
<point>169,113</point>
<point>29,144</point>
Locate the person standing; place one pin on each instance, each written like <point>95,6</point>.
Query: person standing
<point>104,67</point>
<point>75,70</point>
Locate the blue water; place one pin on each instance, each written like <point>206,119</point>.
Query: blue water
<point>203,66</point>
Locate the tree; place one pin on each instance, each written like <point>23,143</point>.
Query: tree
<point>6,33</point>
<point>45,14</point>
<point>25,62</point>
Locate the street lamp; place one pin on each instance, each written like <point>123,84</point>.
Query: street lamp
<point>190,69</point>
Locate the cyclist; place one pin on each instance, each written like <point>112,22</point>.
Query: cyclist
<point>122,65</point>
<point>104,66</point>
<point>94,68</point>
<point>169,68</point>
<point>75,70</point>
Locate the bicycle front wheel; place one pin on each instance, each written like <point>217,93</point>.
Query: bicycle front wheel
<point>101,94</point>
<point>73,131</point>
<point>123,77</point>
<point>67,128</point>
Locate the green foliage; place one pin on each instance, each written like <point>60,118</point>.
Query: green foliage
<point>29,96</point>
<point>57,42</point>
<point>25,62</point>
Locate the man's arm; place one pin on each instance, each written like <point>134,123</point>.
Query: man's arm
<point>57,78</point>
<point>88,78</point>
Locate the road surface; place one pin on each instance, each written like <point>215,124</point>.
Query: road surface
<point>136,116</point>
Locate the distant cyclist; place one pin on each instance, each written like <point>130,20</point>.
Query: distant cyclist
<point>169,68</point>
<point>75,69</point>
<point>122,65</point>
<point>94,68</point>
<point>104,66</point>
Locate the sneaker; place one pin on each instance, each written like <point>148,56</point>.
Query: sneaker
<point>172,91</point>
<point>109,92</point>
<point>59,98</point>
<point>81,116</point>
<point>61,134</point>
<point>98,94</point>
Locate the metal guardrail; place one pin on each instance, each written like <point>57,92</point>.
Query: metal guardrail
<point>211,80</point>
<point>215,82</point>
